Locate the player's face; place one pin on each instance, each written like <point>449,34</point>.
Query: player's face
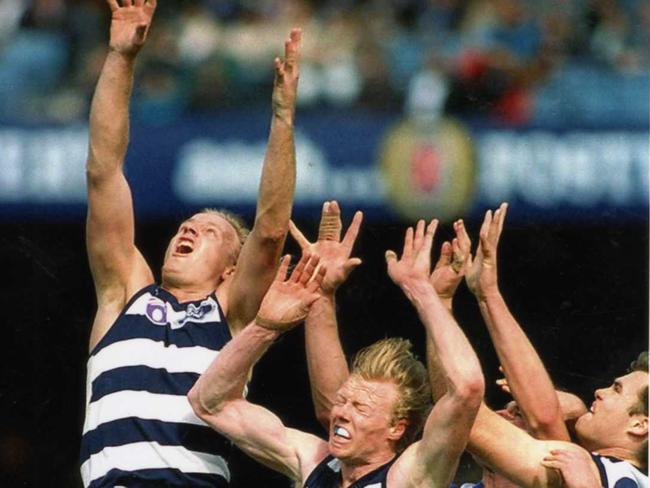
<point>361,426</point>
<point>200,251</point>
<point>608,419</point>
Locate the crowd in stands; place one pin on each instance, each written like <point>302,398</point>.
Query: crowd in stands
<point>467,57</point>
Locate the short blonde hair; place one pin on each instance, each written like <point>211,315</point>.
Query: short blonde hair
<point>237,224</point>
<point>392,360</point>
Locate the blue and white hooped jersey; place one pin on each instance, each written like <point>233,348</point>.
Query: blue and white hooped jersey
<point>327,474</point>
<point>615,473</point>
<point>140,429</point>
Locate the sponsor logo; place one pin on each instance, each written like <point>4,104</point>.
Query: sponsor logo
<point>428,169</point>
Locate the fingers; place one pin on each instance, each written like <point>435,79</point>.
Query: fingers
<point>353,231</point>
<point>113,5</point>
<point>309,269</point>
<point>138,3</point>
<point>418,238</point>
<point>445,255</point>
<point>391,257</point>
<point>152,4</point>
<point>298,236</point>
<point>503,384</point>
<point>350,264</point>
<point>330,222</point>
<point>427,242</point>
<point>297,271</point>
<point>464,241</point>
<point>282,269</point>
<point>314,284</point>
<point>503,211</point>
<point>292,48</point>
<point>408,243</point>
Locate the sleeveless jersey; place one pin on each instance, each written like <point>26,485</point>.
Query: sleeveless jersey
<point>328,475</point>
<point>140,429</point>
<point>615,473</point>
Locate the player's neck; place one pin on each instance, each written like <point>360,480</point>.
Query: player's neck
<point>188,293</point>
<point>618,453</point>
<point>351,473</point>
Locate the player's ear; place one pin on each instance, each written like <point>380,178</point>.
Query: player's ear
<point>398,429</point>
<point>229,272</point>
<point>638,426</point>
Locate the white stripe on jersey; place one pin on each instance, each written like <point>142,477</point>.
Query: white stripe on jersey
<point>155,354</point>
<point>161,312</point>
<point>151,455</point>
<point>617,470</point>
<point>140,404</point>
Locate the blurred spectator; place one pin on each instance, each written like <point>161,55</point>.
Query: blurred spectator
<point>493,55</point>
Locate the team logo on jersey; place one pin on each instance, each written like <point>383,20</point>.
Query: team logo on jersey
<point>156,311</point>
<point>160,312</point>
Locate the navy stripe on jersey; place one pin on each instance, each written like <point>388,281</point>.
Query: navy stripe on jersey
<point>141,378</point>
<point>157,478</point>
<point>327,474</point>
<point>127,431</point>
<point>192,334</point>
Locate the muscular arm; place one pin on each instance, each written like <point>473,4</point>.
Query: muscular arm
<point>259,256</point>
<point>433,460</point>
<point>529,381</point>
<point>328,368</point>
<point>513,453</point>
<point>217,399</point>
<point>117,267</point>
<point>217,395</point>
<point>326,363</point>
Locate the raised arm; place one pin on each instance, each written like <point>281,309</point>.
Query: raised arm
<point>117,267</point>
<point>529,381</point>
<point>328,368</point>
<point>217,396</point>
<point>258,259</point>
<point>433,460</point>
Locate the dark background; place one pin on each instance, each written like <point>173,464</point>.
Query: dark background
<point>579,291</point>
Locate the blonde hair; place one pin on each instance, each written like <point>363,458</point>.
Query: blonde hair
<point>392,360</point>
<point>237,224</point>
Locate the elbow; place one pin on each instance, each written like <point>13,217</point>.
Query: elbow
<point>542,423</point>
<point>201,409</point>
<point>271,233</point>
<point>470,391</point>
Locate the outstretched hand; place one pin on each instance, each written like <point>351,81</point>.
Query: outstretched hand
<point>334,253</point>
<point>130,24</point>
<point>288,300</point>
<point>287,72</point>
<point>452,263</point>
<point>481,276</point>
<point>576,468</point>
<point>415,263</point>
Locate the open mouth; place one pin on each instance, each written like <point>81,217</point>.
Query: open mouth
<point>341,432</point>
<point>184,247</point>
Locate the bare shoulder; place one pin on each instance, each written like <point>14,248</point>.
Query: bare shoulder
<point>311,451</point>
<point>111,301</point>
<point>406,472</point>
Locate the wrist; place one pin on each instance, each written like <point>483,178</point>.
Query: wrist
<point>489,296</point>
<point>121,57</point>
<point>283,116</point>
<point>418,290</point>
<point>268,330</point>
